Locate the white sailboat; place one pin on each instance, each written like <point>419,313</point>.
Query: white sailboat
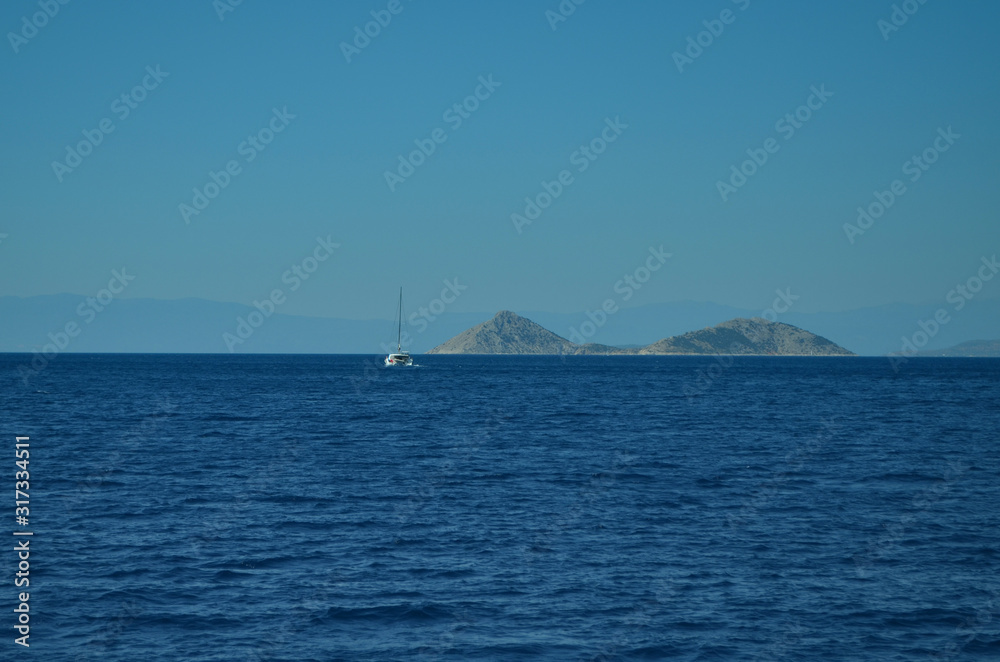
<point>399,357</point>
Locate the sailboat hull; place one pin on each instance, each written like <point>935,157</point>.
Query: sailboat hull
<point>402,359</point>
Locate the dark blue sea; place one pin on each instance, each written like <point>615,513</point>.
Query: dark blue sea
<point>193,507</point>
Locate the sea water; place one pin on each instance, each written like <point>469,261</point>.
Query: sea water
<point>203,507</point>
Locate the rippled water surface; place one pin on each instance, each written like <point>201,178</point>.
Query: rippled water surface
<point>508,508</point>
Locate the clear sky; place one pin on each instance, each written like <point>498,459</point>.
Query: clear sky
<point>279,73</point>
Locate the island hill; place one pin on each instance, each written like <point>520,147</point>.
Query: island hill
<point>509,333</point>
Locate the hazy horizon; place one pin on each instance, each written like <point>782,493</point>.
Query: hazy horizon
<point>282,149</point>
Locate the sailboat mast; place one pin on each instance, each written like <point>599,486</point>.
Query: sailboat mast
<point>399,329</point>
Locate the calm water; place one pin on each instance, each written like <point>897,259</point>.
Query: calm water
<point>597,508</point>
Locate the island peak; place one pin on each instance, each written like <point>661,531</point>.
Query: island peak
<point>509,333</point>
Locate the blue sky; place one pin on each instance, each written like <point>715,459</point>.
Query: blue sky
<point>552,91</point>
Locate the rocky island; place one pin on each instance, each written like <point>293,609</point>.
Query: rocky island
<point>509,333</point>
<point>506,333</point>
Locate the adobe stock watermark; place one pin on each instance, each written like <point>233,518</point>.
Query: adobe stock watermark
<point>787,127</point>
<point>884,544</point>
<point>125,443</point>
<point>714,28</point>
<point>970,628</point>
<point>562,12</point>
<point>599,485</point>
<point>582,158</point>
<point>625,287</point>
<point>37,21</point>
<point>794,461</point>
<point>249,149</point>
<point>915,167</point>
<point>455,115</point>
<point>363,37</point>
<point>420,496</point>
<point>294,276</point>
<point>421,319</point>
<point>633,633</point>
<point>706,377</point>
<point>899,17</point>
<point>221,521</point>
<point>223,7</point>
<point>87,310</point>
<point>112,631</point>
<point>791,636</point>
<point>122,107</point>
<point>424,315</point>
<point>958,297</point>
<point>302,615</point>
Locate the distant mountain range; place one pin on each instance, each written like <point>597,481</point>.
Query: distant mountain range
<point>29,324</point>
<point>509,333</point>
<point>984,348</point>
